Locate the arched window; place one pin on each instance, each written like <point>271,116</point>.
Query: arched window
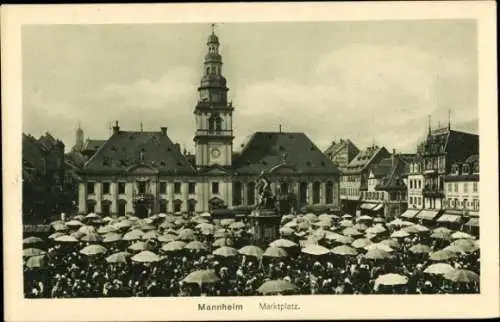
<point>316,188</point>
<point>215,123</point>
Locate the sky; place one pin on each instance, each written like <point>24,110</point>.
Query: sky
<point>371,82</point>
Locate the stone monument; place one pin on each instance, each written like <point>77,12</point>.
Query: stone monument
<point>265,219</point>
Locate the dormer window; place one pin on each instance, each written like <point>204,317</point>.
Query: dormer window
<point>476,167</point>
<point>465,169</point>
<point>455,169</point>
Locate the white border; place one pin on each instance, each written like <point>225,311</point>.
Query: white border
<point>312,307</point>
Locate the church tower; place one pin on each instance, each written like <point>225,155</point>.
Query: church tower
<point>79,139</point>
<point>214,125</point>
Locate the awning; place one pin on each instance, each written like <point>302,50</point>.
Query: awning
<point>451,218</point>
<point>367,206</point>
<point>410,213</point>
<point>428,214</point>
<point>378,207</point>
<point>473,222</point>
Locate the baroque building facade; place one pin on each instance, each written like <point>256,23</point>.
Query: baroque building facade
<point>145,172</point>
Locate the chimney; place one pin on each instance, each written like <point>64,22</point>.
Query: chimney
<point>393,158</point>
<point>163,130</point>
<point>116,128</point>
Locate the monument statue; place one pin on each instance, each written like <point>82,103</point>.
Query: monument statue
<point>266,198</point>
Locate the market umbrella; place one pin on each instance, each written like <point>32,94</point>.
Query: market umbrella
<point>174,246</point>
<point>162,215</point>
<point>344,250</point>
<point>361,243</point>
<point>66,239</point>
<point>60,227</point>
<point>396,222</point>
<point>392,243</point>
<point>138,246</point>
<point>125,223</point>
<point>111,237</point>
<point>92,237</point>
<point>350,231</point>
<point>77,234</point>
<point>304,225</point>
<point>444,230</point>
<point>167,225</point>
<point>251,250</point>
<point>462,235</point>
<point>415,229</point>
<point>360,226</point>
<point>147,227</point>
<point>399,234</point>
<point>316,250</point>
<point>344,240</point>
<point>38,261</point>
<point>206,215</point>
<point>391,279</point>
<point>379,246</point>
<point>291,224</point>
<point>29,252</point>
<point>133,235</point>
<point>146,256</point>
<point>226,222</point>
<point>310,217</point>
<point>56,234</point>
<point>92,250</point>
<point>282,243</point>
<point>107,229</point>
<point>203,226</point>
<point>441,255</point>
<point>186,234</point>
<point>378,220</point>
<point>79,217</point>
<point>237,225</point>
<point>87,230</point>
<point>375,230</point>
<point>225,251</point>
<point>319,233</point>
<point>196,245</point>
<point>377,254</point>
<point>166,238</point>
<point>323,223</point>
<point>466,245</point>
<point>275,252</point>
<point>441,235</point>
<point>287,218</point>
<point>120,257</point>
<point>346,223</point>
<point>346,216</point>
<point>420,249</point>
<point>32,240</point>
<point>324,216</point>
<point>286,231</point>
<point>365,218</point>
<point>221,233</point>
<point>92,216</point>
<point>74,223</point>
<point>205,276</point>
<point>438,269</point>
<point>330,235</point>
<point>221,242</point>
<point>152,234</point>
<point>462,276</point>
<point>276,286</point>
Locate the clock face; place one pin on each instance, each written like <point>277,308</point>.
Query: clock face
<point>215,152</point>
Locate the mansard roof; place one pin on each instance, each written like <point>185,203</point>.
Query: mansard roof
<point>126,149</point>
<point>266,150</point>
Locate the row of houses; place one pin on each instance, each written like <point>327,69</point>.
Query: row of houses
<point>440,181</point>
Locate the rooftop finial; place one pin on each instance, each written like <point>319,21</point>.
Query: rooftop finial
<point>213,28</point>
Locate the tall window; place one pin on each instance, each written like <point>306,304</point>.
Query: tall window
<point>215,123</point>
<point>251,193</point>
<point>142,187</point>
<point>177,205</point>
<point>192,187</point>
<point>411,200</point>
<point>237,190</point>
<point>177,187</point>
<point>303,192</point>
<point>329,192</point>
<point>191,206</point>
<point>121,207</point>
<point>316,192</point>
<point>163,187</point>
<point>121,187</point>
<point>106,209</point>
<point>215,187</point>
<point>90,188</point>
<point>105,188</point>
<point>474,186</point>
<point>163,207</point>
<point>465,205</point>
<point>456,186</point>
<point>419,184</point>
<point>284,187</point>
<point>90,207</point>
<point>466,187</point>
<point>450,186</point>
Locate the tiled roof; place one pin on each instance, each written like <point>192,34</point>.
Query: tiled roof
<point>337,146</point>
<point>382,169</point>
<point>265,150</point>
<point>92,145</point>
<point>364,159</point>
<point>393,178</point>
<point>472,159</point>
<point>125,148</point>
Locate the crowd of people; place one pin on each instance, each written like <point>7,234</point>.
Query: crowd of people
<point>167,255</point>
